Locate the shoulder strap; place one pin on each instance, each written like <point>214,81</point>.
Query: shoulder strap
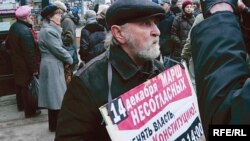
<point>109,83</point>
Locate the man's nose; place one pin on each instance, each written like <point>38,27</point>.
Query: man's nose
<point>155,30</point>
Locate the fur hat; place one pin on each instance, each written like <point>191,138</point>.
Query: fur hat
<point>124,11</point>
<point>185,3</point>
<point>23,12</point>
<point>49,9</point>
<point>60,5</point>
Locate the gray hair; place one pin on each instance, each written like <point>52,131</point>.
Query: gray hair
<point>110,40</point>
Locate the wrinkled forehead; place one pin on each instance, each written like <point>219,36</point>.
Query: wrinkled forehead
<point>153,19</point>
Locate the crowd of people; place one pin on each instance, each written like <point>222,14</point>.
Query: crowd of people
<point>124,45</point>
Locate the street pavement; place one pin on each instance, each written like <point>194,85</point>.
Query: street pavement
<point>15,127</point>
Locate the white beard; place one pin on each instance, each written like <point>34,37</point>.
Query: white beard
<point>146,50</point>
<point>150,53</point>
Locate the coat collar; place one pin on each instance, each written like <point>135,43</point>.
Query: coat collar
<point>125,66</point>
<point>47,24</point>
<point>25,23</point>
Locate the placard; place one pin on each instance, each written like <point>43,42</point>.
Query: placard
<point>163,108</point>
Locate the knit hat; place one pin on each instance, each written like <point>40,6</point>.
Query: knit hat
<point>49,9</point>
<point>23,12</point>
<point>60,5</point>
<point>90,16</point>
<point>124,11</point>
<point>185,3</point>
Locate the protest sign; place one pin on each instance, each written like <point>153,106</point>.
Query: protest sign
<point>163,108</point>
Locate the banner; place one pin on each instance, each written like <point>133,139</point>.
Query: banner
<point>163,108</point>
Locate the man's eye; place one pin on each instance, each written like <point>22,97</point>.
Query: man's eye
<point>146,23</point>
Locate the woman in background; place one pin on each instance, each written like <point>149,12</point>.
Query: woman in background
<point>53,60</point>
<point>180,28</point>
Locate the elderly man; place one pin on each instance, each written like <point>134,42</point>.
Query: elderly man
<point>25,58</point>
<point>129,62</point>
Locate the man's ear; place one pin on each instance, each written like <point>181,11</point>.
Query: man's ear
<point>116,31</point>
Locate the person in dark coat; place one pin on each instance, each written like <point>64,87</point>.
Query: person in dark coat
<point>131,60</point>
<point>165,26</point>
<point>174,8</point>
<point>221,71</point>
<point>68,24</point>
<point>180,28</point>
<point>92,38</point>
<point>101,16</point>
<point>197,7</point>
<point>25,58</point>
<point>245,21</point>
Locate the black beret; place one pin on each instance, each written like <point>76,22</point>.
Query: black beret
<point>48,10</point>
<point>124,11</point>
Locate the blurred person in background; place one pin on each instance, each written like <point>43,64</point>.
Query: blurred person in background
<point>96,7</point>
<point>92,38</point>
<point>54,59</point>
<point>196,7</point>
<point>174,8</point>
<point>68,24</point>
<point>25,56</point>
<point>75,11</point>
<point>101,16</point>
<point>181,26</point>
<point>165,26</point>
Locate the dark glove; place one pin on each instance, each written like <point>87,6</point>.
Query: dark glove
<point>246,2</point>
<point>246,20</point>
<point>206,5</point>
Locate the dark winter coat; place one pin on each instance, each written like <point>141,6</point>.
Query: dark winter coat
<point>165,36</point>
<point>179,33</point>
<point>92,41</point>
<point>221,72</point>
<point>68,24</point>
<point>80,118</point>
<point>175,9</point>
<point>24,52</point>
<point>245,25</point>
